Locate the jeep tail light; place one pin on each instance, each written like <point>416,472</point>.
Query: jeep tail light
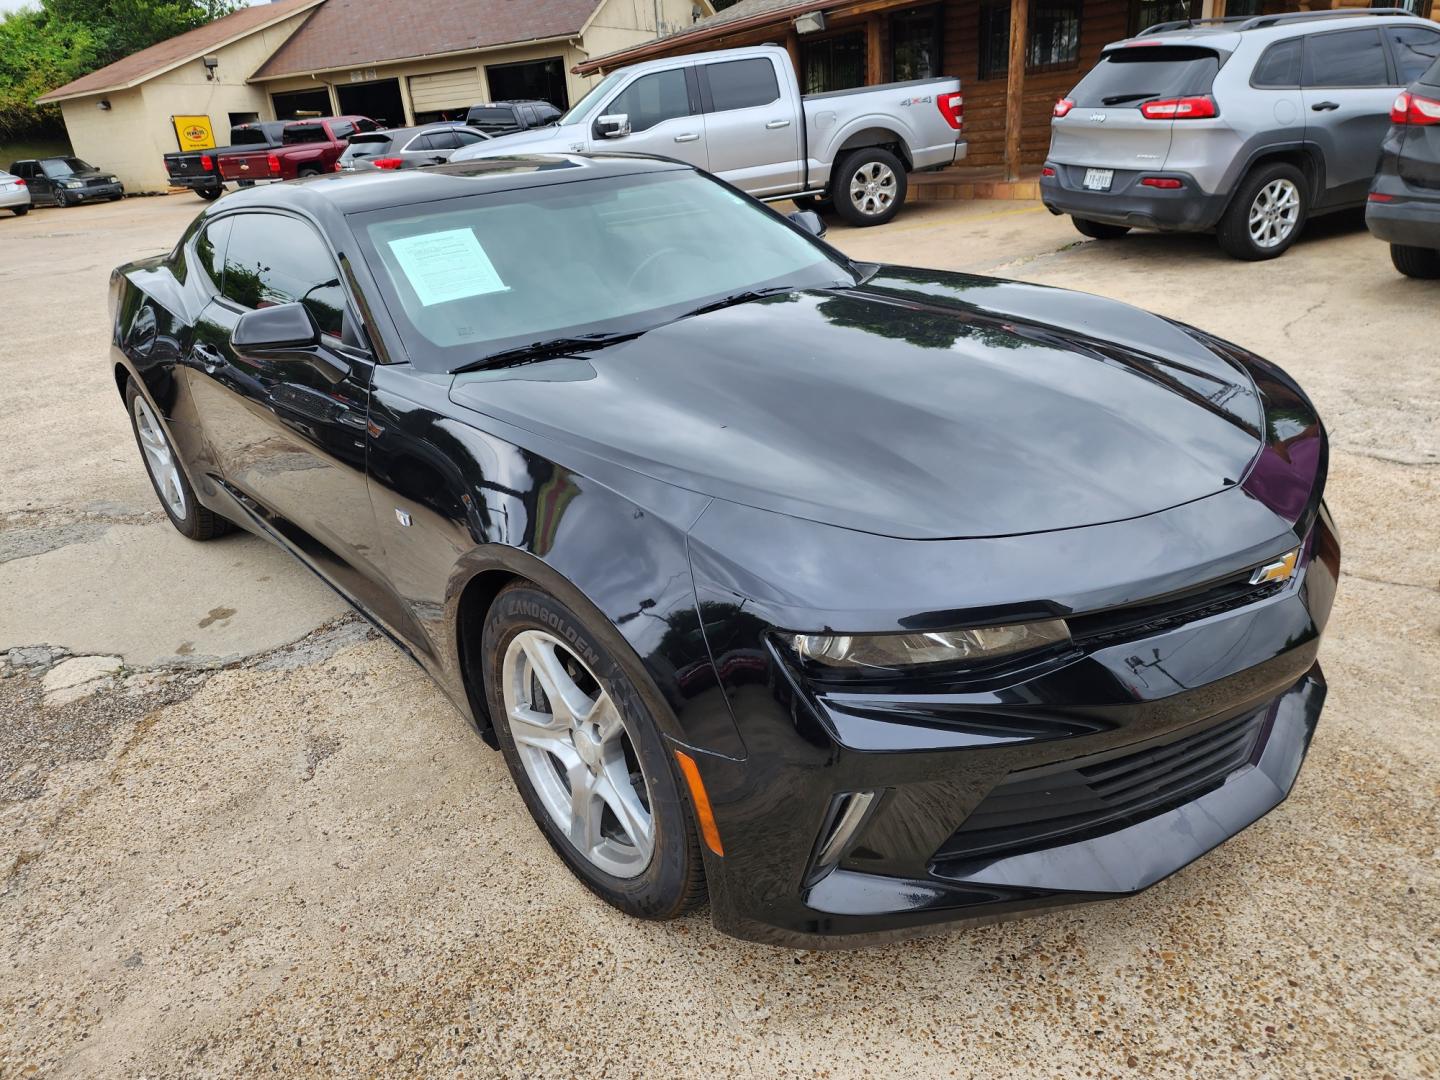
<point>1165,183</point>
<point>273,164</point>
<point>207,162</point>
<point>1413,109</point>
<point>1047,170</point>
<point>387,162</point>
<point>1185,108</point>
<point>952,107</point>
<point>1063,106</point>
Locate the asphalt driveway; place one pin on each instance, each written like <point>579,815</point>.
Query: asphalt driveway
<point>240,834</point>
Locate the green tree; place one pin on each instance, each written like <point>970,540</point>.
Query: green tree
<point>41,49</point>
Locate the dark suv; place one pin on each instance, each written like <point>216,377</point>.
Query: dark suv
<point>1404,206</point>
<point>503,117</point>
<point>66,181</point>
<point>1242,125</point>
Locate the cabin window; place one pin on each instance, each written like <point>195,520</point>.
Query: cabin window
<point>836,62</point>
<point>1054,37</point>
<point>915,44</point>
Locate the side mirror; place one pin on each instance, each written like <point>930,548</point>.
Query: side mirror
<point>612,126</point>
<point>282,328</point>
<point>809,221</point>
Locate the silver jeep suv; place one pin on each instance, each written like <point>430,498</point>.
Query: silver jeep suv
<point>1245,125</point>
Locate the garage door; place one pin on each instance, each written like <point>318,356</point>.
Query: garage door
<point>457,89</point>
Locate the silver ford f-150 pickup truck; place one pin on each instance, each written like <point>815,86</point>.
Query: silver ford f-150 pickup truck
<point>739,114</point>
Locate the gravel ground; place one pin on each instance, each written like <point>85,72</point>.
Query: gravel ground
<point>289,854</point>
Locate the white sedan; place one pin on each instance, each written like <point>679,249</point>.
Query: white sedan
<point>14,195</point>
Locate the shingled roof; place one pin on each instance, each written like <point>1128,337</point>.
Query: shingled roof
<point>353,33</point>
<point>171,53</point>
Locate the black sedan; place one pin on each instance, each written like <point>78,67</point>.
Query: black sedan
<point>1404,206</point>
<point>861,599</point>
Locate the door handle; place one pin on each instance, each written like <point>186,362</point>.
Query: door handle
<point>687,137</point>
<point>210,359</point>
<point>1325,106</point>
<point>773,124</point>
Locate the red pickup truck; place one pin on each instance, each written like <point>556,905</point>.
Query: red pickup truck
<point>307,147</point>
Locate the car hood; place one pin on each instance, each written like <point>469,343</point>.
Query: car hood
<point>918,405</point>
<point>519,142</point>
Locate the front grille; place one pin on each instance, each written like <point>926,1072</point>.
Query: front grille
<point>1155,616</point>
<point>1090,796</point>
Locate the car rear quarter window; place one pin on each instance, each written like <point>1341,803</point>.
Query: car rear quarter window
<point>1127,77</point>
<point>1279,66</point>
<point>466,138</point>
<point>1346,58</point>
<point>1414,49</point>
<point>273,259</point>
<point>742,84</point>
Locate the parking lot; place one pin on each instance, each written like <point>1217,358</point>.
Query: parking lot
<point>241,832</point>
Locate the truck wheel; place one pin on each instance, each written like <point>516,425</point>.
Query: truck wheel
<point>247,183</point>
<point>1413,262</point>
<point>308,172</point>
<point>1266,214</point>
<point>209,194</point>
<point>1098,230</point>
<point>869,186</point>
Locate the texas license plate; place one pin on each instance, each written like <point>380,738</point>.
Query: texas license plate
<point>1099,179</point>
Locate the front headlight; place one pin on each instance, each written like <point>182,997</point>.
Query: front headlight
<point>73,184</point>
<point>936,647</point>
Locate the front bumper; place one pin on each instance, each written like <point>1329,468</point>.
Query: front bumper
<point>1411,218</point>
<point>1006,754</point>
<point>1187,209</point>
<point>91,192</point>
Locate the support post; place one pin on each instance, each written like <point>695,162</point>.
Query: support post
<point>792,46</point>
<point>1015,85</point>
<point>874,61</point>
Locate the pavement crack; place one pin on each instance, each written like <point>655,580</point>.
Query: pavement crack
<point>1388,581</point>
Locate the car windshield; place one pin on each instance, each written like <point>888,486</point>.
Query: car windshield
<point>1129,76</point>
<point>470,277</point>
<point>581,108</point>
<point>64,166</point>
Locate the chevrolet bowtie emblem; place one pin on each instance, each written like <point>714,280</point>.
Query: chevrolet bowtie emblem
<point>1279,570</point>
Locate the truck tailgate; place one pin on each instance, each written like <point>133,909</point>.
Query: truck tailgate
<point>928,113</point>
<point>186,163</point>
<point>252,166</point>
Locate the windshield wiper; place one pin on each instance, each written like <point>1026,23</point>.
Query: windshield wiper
<point>1120,99</point>
<point>747,295</point>
<point>540,350</point>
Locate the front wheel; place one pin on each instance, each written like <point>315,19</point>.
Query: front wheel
<point>61,199</point>
<point>1098,230</point>
<point>1266,215</point>
<point>21,211</point>
<point>177,497</point>
<point>587,757</point>
<point>869,187</point>
<point>1416,262</point>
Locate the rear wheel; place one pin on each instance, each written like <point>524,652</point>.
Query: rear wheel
<point>869,186</point>
<point>587,756</point>
<point>1098,230</point>
<point>1416,262</point>
<point>176,495</point>
<point>21,211</point>
<point>209,194</point>
<point>1266,215</point>
<point>308,172</point>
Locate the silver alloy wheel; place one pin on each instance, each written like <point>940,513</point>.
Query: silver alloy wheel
<point>579,753</point>
<point>1274,213</point>
<point>160,458</point>
<point>872,188</point>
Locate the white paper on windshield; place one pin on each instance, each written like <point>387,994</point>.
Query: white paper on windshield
<point>444,266</point>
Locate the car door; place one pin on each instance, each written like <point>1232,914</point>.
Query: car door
<point>40,185</point>
<point>663,109</point>
<point>1348,91</point>
<point>750,129</point>
<point>288,437</point>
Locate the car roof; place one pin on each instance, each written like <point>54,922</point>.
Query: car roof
<point>1227,33</point>
<point>358,192</point>
<point>395,133</point>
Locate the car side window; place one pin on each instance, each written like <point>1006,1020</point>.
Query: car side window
<point>420,143</point>
<point>273,259</point>
<point>1279,67</point>
<point>653,99</point>
<point>742,84</point>
<point>444,140</point>
<point>1414,49</point>
<point>366,125</point>
<point>465,138</point>
<point>342,129</point>
<point>1346,58</point>
<point>207,255</point>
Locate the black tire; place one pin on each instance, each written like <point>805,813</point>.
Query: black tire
<point>246,183</point>
<point>1416,262</point>
<point>116,198</point>
<point>197,523</point>
<point>61,199</point>
<point>1234,231</point>
<point>21,211</point>
<point>870,157</point>
<point>209,194</point>
<point>308,172</point>
<point>673,881</point>
<point>1099,230</point>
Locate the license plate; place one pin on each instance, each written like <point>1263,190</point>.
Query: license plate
<point>1099,179</point>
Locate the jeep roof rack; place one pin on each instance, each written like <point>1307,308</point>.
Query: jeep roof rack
<point>1259,22</point>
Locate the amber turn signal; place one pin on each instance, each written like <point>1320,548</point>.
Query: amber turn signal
<point>703,813</point>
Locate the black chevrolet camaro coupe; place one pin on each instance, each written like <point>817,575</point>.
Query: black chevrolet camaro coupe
<point>860,599</point>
